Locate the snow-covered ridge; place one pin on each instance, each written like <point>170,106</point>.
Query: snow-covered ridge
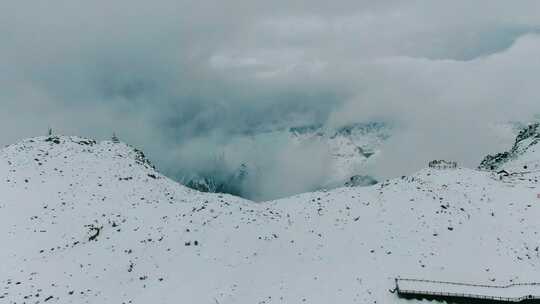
<point>93,222</point>
<point>526,143</point>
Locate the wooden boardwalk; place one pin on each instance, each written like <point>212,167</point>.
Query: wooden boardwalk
<point>452,292</point>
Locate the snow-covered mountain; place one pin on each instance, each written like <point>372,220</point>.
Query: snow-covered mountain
<point>351,147</point>
<point>518,157</point>
<point>93,222</point>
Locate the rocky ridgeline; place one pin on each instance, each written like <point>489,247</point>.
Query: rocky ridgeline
<point>526,138</point>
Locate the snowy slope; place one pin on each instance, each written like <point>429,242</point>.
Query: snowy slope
<point>160,242</point>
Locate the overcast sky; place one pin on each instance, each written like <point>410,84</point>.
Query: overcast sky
<point>180,79</point>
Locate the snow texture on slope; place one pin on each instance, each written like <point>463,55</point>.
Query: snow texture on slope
<point>92,222</point>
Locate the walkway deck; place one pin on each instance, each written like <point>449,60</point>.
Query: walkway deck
<point>468,293</point>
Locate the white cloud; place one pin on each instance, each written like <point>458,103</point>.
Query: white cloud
<point>168,73</point>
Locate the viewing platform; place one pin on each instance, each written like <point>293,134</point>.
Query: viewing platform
<point>452,292</point>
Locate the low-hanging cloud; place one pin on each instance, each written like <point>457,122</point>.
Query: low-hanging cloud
<point>456,104</point>
<point>190,80</point>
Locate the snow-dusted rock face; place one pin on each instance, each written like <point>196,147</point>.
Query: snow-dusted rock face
<point>93,222</point>
<point>524,147</point>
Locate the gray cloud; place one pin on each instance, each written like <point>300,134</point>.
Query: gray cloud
<point>186,80</point>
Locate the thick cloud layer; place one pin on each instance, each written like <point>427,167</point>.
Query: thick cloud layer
<point>187,80</point>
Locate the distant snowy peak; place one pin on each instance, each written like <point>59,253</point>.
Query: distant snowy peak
<point>521,155</point>
<point>354,142</point>
<point>351,147</point>
<point>360,128</point>
<point>379,130</point>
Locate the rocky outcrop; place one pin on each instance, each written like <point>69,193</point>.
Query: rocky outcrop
<point>442,164</point>
<point>526,138</point>
<point>361,181</point>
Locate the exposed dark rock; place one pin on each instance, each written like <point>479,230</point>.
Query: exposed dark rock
<point>526,138</point>
<point>361,181</point>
